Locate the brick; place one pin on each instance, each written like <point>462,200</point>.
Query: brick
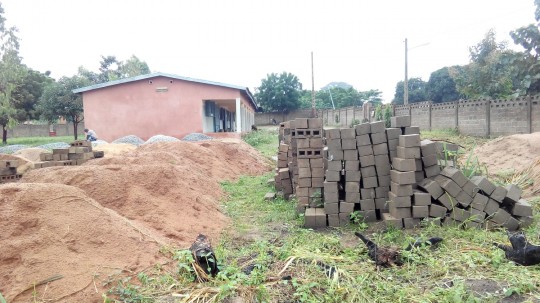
<point>404,165</point>
<point>449,186</point>
<point>381,192</point>
<point>367,204</point>
<point>363,140</point>
<point>331,208</point>
<point>460,214</point>
<point>381,203</point>
<point>491,207</point>
<point>483,184</point>
<point>393,144</point>
<point>378,138</point>
<point>498,194</point>
<point>301,123</point>
<point>448,201</point>
<point>353,176</point>
<point>430,160</point>
<point>427,148</point>
<point>367,193</point>
<point>412,130</point>
<point>404,201</point>
<point>353,165</point>
<point>335,154</point>
<point>378,127</point>
<point>432,171</point>
<point>390,221</point>
<point>309,153</point>
<point>332,133</point>
<point>410,223</point>
<point>316,162</point>
<point>432,187</point>
<point>399,212</point>
<point>333,176</point>
<point>464,199</point>
<point>421,199</point>
<point>455,174</point>
<point>333,143</point>
<point>409,140</point>
<point>351,154</point>
<point>369,182</point>
<point>402,178</point>
<point>500,216</point>
<point>437,211</point>
<point>349,144</point>
<point>420,211</point>
<point>304,172</point>
<point>317,182</point>
<point>346,207</point>
<point>317,172</point>
<point>331,197</point>
<point>401,190</point>
<point>368,171</point>
<point>316,143</point>
<point>470,188</point>
<point>408,152</point>
<point>363,129</point>
<point>393,133</point>
<point>365,150</point>
<point>315,123</point>
<point>335,165</point>
<point>522,208</point>
<point>380,149</point>
<point>352,197</point>
<point>400,121</point>
<point>479,202</point>
<point>320,217</point>
<point>333,220</point>
<point>513,194</point>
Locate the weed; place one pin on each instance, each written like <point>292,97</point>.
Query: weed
<point>354,122</point>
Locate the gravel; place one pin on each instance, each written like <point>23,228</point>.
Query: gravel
<point>51,146</point>
<point>161,138</point>
<point>131,139</point>
<point>9,149</point>
<point>197,137</point>
<point>98,142</point>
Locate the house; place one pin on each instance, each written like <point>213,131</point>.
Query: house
<point>166,104</point>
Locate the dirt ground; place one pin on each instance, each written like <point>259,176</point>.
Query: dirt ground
<point>110,216</point>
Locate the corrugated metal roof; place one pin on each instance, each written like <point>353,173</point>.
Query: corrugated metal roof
<point>154,75</point>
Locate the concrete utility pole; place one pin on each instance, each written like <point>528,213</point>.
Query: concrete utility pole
<point>313,112</point>
<point>406,83</point>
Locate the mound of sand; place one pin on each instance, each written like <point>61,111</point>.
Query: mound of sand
<point>31,154</point>
<point>24,164</point>
<point>114,149</point>
<point>53,229</point>
<point>510,152</point>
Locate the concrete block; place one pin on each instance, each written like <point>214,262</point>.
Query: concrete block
<point>60,151</point>
<point>346,207</point>
<point>404,201</point>
<point>317,182</point>
<point>367,161</point>
<point>382,161</point>
<point>333,143</point>
<point>401,190</point>
<point>365,150</point>
<point>513,194</point>
<point>399,212</point>
<point>333,220</point>
<point>483,184</point>
<point>470,188</point>
<point>380,149</point>
<point>464,199</point>
<point>352,187</point>
<point>311,153</point>
<point>368,171</point>
<point>512,224</point>
<point>384,180</point>
<point>410,223</point>
<point>479,202</point>
<point>381,203</point>
<point>353,176</point>
<point>432,187</point>
<point>498,194</point>
<point>367,204</point>
<point>409,140</point>
<point>310,218</point>
<point>331,187</point>
<point>335,154</point>
<point>421,199</point>
<point>369,215</point>
<point>348,144</point>
<point>382,192</point>
<point>352,197</point>
<point>393,133</point>
<point>351,154</point>
<point>331,208</point>
<point>333,176</point>
<point>378,138</point>
<point>430,160</point>
<point>317,172</point>
<point>428,147</point>
<point>420,211</point>
<point>412,130</point>
<point>316,162</point>
<point>392,154</point>
<point>525,222</point>
<point>369,182</point>
<point>301,123</point>
<point>432,171</point>
<point>315,123</point>
<point>320,217</point>
<point>429,221</point>
<point>393,144</point>
<point>492,207</point>
<point>335,165</point>
<point>363,140</point>
<point>419,176</point>
<point>408,152</point>
<point>378,127</point>
<point>316,142</point>
<point>449,186</point>
<point>304,172</point>
<point>352,165</point>
<point>500,216</point>
<point>455,174</point>
<point>46,157</point>
<point>363,129</point>
<point>304,182</point>
<point>437,211</point>
<point>302,191</point>
<point>383,170</point>
<point>284,173</point>
<point>344,218</point>
<point>331,197</point>
<point>367,193</point>
<point>348,133</point>
<point>400,121</point>
<point>303,163</point>
<point>404,165</point>
<point>391,222</point>
<point>448,221</point>
<point>302,143</point>
<point>402,178</point>
<point>477,215</point>
<point>315,192</point>
<point>447,201</point>
<point>460,214</point>
<point>522,208</point>
<point>332,133</point>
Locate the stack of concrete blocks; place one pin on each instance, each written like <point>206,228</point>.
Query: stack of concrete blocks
<point>309,164</point>
<point>334,183</point>
<point>78,153</point>
<point>8,171</point>
<point>282,177</point>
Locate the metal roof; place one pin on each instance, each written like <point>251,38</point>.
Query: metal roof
<point>154,75</point>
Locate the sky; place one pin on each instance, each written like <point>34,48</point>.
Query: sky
<point>240,42</point>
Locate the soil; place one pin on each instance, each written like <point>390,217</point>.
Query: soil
<point>111,215</point>
<point>510,152</point>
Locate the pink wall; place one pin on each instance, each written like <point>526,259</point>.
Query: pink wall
<point>135,108</point>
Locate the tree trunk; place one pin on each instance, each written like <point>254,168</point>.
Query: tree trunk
<point>4,134</point>
<point>75,126</point>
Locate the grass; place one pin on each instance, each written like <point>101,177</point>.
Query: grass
<point>468,143</point>
<point>268,237</point>
<point>36,141</point>
<point>265,140</point>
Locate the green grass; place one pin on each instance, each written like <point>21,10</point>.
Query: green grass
<point>265,140</point>
<point>36,141</point>
<point>268,235</point>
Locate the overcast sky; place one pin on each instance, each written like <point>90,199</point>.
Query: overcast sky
<point>239,42</point>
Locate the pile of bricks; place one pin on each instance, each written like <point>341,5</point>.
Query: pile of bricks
<point>8,171</point>
<point>78,153</point>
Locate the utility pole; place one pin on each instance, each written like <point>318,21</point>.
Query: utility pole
<point>313,114</point>
<point>406,83</point>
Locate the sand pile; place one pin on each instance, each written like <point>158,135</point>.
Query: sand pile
<point>114,149</point>
<point>31,154</point>
<point>510,152</point>
<point>24,163</point>
<point>53,229</point>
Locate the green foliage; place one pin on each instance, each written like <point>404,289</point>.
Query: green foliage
<point>2,299</point>
<point>264,140</point>
<point>354,122</point>
<point>417,91</point>
<point>379,113</point>
<point>441,86</point>
<point>387,115</point>
<point>111,69</point>
<point>279,92</point>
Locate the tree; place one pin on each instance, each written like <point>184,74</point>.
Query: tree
<point>133,67</point>
<point>59,100</point>
<point>27,94</point>
<point>417,91</point>
<point>279,92</point>
<point>441,86</point>
<point>111,69</point>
